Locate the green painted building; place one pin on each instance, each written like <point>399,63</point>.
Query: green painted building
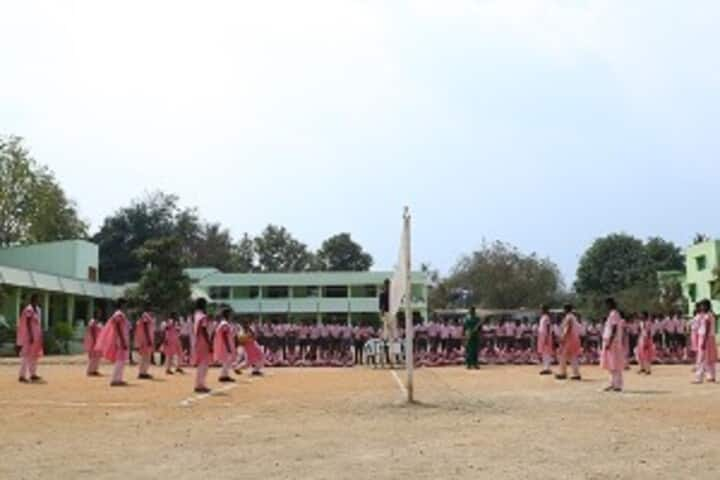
<point>63,274</point>
<point>329,297</point>
<point>702,273</point>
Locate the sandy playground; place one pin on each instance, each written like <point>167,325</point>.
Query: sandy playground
<point>499,422</point>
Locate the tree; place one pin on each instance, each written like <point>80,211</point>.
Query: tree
<point>612,264</point>
<point>244,255</point>
<point>500,276</point>
<point>163,282</point>
<point>212,247</point>
<point>33,207</point>
<point>278,251</point>
<point>664,255</point>
<point>153,217</point>
<point>340,253</point>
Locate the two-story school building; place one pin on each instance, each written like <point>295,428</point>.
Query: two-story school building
<point>307,297</point>
<point>63,274</point>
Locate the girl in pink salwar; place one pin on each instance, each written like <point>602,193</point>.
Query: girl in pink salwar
<point>202,351</point>
<point>145,341</point>
<point>253,354</point>
<point>570,346</point>
<point>545,341</point>
<point>645,350</point>
<point>172,346</point>
<point>29,339</point>
<point>90,343</point>
<point>613,356</point>
<point>223,347</point>
<point>706,348</point>
<point>114,343</point>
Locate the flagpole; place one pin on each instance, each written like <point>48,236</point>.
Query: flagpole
<point>409,330</point>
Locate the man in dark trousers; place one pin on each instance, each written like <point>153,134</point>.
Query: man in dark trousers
<point>388,322</point>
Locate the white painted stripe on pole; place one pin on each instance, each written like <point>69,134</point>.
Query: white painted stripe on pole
<point>403,390</point>
<point>197,398</point>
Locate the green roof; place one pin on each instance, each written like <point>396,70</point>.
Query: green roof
<point>53,283</point>
<point>301,279</point>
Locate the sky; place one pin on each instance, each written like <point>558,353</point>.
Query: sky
<point>543,123</point>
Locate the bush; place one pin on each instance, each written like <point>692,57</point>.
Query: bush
<point>63,334</point>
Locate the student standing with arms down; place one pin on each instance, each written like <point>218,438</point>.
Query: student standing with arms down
<point>545,340</point>
<point>224,346</point>
<point>706,349</point>
<point>29,339</point>
<point>202,350</point>
<point>570,345</point>
<point>90,342</point>
<point>145,341</point>
<point>613,355</point>
<point>114,343</point>
<point>471,328</point>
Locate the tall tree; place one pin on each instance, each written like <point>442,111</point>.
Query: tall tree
<point>341,253</point>
<point>278,251</point>
<point>244,255</point>
<point>124,232</point>
<point>162,282</point>
<point>612,264</point>
<point>498,275</point>
<point>664,255</point>
<point>33,206</point>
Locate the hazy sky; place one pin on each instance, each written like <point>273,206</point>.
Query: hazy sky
<point>543,123</point>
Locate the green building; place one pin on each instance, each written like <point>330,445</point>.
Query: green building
<point>63,274</point>
<point>700,279</point>
<point>329,297</point>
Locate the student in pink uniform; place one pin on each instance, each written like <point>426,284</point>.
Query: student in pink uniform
<point>223,347</point>
<point>114,343</point>
<point>545,340</point>
<point>707,349</point>
<point>90,342</point>
<point>645,349</point>
<point>613,356</point>
<point>202,352</point>
<point>253,354</point>
<point>570,346</point>
<point>30,341</point>
<point>172,346</point>
<point>145,341</point>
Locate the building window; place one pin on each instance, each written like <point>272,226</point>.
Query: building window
<point>219,293</point>
<point>277,292</point>
<point>335,291</point>
<point>92,274</point>
<point>363,291</point>
<point>245,293</point>
<point>306,292</point>
<point>692,292</point>
<point>701,263</point>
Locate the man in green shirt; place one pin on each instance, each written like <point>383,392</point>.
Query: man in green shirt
<point>471,329</point>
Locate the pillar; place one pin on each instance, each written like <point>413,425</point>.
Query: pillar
<point>70,309</point>
<point>91,310</point>
<point>46,310</point>
<point>18,303</point>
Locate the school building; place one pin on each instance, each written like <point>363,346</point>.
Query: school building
<point>63,274</point>
<point>308,297</point>
<point>701,275</point>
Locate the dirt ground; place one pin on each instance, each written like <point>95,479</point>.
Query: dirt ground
<point>499,422</point>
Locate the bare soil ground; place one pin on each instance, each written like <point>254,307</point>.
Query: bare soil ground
<point>499,422</point>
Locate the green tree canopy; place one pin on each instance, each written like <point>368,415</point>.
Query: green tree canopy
<point>162,282</point>
<point>498,275</point>
<point>341,253</point>
<point>626,267</point>
<point>612,264</point>
<point>277,250</point>
<point>33,206</point>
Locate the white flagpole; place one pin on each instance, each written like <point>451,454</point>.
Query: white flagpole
<point>409,330</point>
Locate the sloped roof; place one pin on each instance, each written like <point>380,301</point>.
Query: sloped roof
<point>53,283</point>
